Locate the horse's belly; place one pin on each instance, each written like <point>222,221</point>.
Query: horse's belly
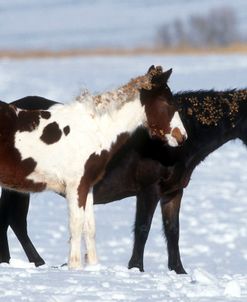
<point>52,182</point>
<point>21,184</point>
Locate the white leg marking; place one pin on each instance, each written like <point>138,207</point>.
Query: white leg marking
<point>89,231</point>
<point>76,222</point>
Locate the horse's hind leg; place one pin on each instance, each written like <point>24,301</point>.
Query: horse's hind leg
<point>19,204</point>
<point>170,206</point>
<point>4,224</point>
<point>147,200</point>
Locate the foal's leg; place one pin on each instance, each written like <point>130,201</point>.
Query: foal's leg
<point>170,206</point>
<point>147,200</point>
<point>89,231</point>
<point>19,204</point>
<point>76,223</point>
<point>4,224</point>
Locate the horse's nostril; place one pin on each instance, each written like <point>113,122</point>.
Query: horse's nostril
<point>183,139</point>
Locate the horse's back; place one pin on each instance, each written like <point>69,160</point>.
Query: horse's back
<point>34,103</point>
<point>3,105</point>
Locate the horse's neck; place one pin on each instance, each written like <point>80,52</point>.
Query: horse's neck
<point>119,110</point>
<point>112,113</point>
<point>123,119</point>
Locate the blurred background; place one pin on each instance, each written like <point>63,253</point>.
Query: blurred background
<point>77,25</point>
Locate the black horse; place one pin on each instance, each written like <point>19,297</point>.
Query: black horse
<point>148,169</point>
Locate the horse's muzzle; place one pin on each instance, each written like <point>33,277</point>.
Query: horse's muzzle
<point>179,136</point>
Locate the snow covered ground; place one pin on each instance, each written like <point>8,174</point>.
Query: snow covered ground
<point>213,215</point>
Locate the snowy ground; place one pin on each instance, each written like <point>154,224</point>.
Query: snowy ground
<point>213,215</point>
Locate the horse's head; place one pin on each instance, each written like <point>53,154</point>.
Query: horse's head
<point>163,120</point>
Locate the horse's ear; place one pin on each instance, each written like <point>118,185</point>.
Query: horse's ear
<point>167,74</point>
<point>151,68</point>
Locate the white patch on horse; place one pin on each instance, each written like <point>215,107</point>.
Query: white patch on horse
<point>176,122</point>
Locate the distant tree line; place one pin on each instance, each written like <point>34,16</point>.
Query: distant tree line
<point>217,28</point>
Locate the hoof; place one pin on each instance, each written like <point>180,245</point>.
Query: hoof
<point>181,271</point>
<point>136,264</point>
<point>4,261</point>
<point>178,270</point>
<point>39,262</point>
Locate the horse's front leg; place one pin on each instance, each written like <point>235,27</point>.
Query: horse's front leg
<point>76,224</point>
<point>147,200</point>
<point>81,222</point>
<point>170,206</point>
<point>89,231</point>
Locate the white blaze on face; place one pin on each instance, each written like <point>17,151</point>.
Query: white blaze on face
<point>176,122</point>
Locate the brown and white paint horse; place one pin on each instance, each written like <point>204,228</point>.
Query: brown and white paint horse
<point>66,149</point>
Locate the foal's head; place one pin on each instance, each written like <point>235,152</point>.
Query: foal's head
<point>162,116</point>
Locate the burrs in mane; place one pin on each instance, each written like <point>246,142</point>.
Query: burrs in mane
<point>154,78</point>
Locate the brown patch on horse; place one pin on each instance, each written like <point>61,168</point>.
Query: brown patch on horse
<point>51,133</point>
<point>45,114</point>
<point>157,123</point>
<point>14,170</point>
<point>66,130</point>
<point>28,120</point>
<point>95,168</point>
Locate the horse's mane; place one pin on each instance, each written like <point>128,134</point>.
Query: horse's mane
<point>104,102</point>
<point>210,106</point>
<point>115,99</point>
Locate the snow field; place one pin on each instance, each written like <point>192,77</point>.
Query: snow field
<point>213,214</point>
